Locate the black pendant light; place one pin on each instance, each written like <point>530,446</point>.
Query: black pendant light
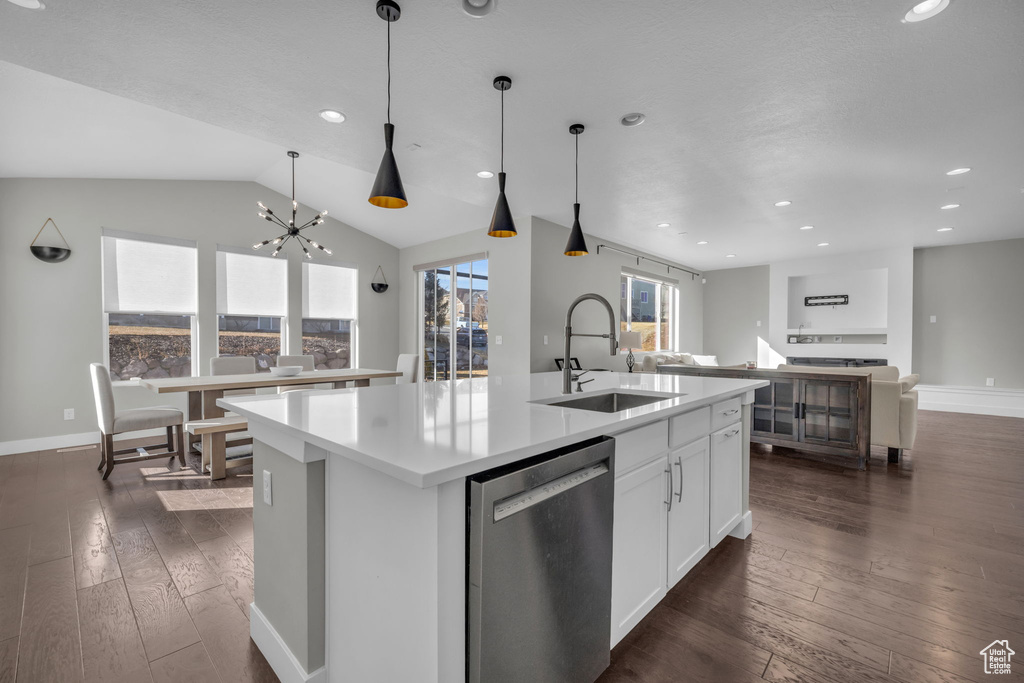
<point>291,227</point>
<point>577,245</point>
<point>502,224</point>
<point>387,191</point>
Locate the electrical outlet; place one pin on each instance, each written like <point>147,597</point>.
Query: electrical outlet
<point>267,497</point>
<point>990,381</point>
<point>69,413</point>
<point>817,339</point>
<point>497,340</point>
<point>837,339</point>
<point>545,340</point>
<point>759,323</point>
<point>933,319</point>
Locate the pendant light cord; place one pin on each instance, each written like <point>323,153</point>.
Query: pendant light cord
<point>293,179</point>
<point>577,168</point>
<point>502,131</point>
<point>389,70</point>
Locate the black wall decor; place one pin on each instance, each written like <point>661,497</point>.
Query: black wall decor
<point>50,254</point>
<point>830,300</point>
<point>382,286</point>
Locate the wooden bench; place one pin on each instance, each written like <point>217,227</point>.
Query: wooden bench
<point>213,434</point>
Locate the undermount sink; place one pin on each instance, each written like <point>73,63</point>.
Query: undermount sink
<point>610,402</point>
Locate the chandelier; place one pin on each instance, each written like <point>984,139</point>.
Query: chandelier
<point>291,229</point>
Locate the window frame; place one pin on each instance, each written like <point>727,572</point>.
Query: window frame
<point>452,266</point>
<point>193,316</point>
<point>283,326</point>
<point>353,351</point>
<point>661,287</point>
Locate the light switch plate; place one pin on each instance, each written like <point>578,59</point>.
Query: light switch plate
<point>545,340</point>
<point>990,381</point>
<point>69,413</point>
<point>497,340</point>
<point>933,319</point>
<point>267,497</point>
<point>759,323</point>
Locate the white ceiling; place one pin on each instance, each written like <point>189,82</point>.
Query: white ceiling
<point>839,107</point>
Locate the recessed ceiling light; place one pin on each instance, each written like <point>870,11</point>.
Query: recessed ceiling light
<point>807,227</point>
<point>702,242</point>
<point>28,4</point>
<point>943,229</point>
<point>664,225</point>
<point>332,115</point>
<point>947,207</point>
<point>634,119</point>
<point>484,174</point>
<point>958,171</point>
<point>926,10</point>
<point>822,244</point>
<point>730,256</point>
<point>784,202</point>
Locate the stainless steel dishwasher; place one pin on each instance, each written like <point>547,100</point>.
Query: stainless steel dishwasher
<point>540,568</point>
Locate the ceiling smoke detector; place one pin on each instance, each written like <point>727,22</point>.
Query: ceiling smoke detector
<point>478,8</point>
<point>634,119</point>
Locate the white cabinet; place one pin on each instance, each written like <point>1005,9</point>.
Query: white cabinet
<point>638,538</point>
<point>726,481</point>
<point>688,525</point>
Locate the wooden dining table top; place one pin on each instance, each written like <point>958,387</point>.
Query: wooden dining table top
<point>167,385</point>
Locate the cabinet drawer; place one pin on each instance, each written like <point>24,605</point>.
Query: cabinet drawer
<point>689,426</point>
<point>725,413</point>
<point>639,445</point>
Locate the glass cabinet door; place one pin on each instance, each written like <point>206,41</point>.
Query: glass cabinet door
<point>827,412</point>
<point>774,410</point>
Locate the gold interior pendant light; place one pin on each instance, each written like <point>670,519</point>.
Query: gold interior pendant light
<point>388,192</point>
<point>577,244</point>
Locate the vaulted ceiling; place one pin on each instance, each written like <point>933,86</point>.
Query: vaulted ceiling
<point>840,108</point>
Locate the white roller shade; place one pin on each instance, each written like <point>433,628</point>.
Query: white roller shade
<point>251,285</point>
<point>328,291</point>
<point>141,276</point>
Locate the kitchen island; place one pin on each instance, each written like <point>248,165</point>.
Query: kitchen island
<point>360,509</point>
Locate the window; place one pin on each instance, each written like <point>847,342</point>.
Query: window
<point>329,301</point>
<point>647,306</point>
<point>252,300</point>
<point>149,305</point>
<point>454,339</point>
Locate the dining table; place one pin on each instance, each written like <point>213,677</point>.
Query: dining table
<point>203,392</point>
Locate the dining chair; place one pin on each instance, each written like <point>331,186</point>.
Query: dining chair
<point>112,421</point>
<point>306,362</point>
<point>409,366</point>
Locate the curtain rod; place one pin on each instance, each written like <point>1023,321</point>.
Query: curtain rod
<point>640,258</point>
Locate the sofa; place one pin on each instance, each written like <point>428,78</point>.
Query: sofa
<point>651,361</point>
<point>893,405</point>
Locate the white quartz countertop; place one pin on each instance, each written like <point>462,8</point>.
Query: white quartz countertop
<point>430,433</point>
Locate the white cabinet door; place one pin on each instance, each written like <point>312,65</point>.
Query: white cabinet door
<point>726,481</point>
<point>688,526</point>
<point>638,545</point>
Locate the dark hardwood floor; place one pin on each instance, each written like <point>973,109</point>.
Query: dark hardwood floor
<point>898,573</point>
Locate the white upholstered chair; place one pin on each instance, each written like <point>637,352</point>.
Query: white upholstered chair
<point>112,421</point>
<point>409,366</point>
<point>306,362</point>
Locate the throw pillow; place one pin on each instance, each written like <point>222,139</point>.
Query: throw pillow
<point>707,361</point>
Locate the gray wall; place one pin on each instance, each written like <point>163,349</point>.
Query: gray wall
<point>51,316</point>
<point>976,293</point>
<point>734,301</point>
<point>508,278</point>
<point>559,279</point>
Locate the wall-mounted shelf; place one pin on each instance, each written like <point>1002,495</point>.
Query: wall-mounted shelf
<point>822,331</point>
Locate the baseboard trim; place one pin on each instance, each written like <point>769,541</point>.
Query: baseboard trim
<point>46,443</point>
<point>973,400</point>
<point>278,655</point>
<point>745,526</point>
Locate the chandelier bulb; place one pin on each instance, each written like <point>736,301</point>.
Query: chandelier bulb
<point>327,250</point>
<point>323,213</point>
<point>262,206</point>
<point>277,241</point>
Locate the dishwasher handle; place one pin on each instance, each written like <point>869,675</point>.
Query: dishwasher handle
<point>523,500</point>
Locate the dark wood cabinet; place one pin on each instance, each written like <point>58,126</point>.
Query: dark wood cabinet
<point>822,413</point>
